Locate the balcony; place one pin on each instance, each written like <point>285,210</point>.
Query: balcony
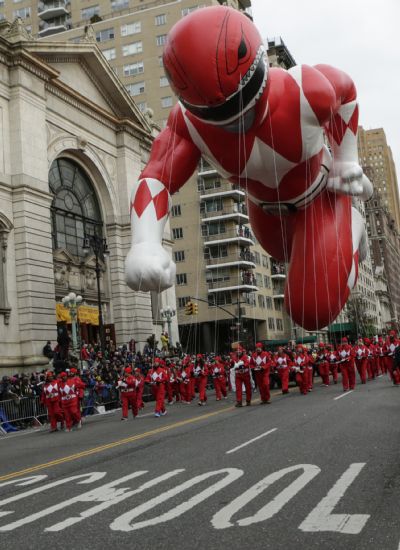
<point>237,213</point>
<point>205,169</point>
<point>243,236</point>
<point>226,189</point>
<point>47,29</point>
<point>222,286</point>
<point>51,10</point>
<point>242,261</point>
<point>278,270</point>
<point>278,291</point>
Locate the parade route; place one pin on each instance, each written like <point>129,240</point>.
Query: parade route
<point>311,471</point>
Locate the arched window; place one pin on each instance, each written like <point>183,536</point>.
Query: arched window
<point>75,208</point>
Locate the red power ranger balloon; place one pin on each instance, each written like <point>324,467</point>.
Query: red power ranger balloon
<point>263,129</point>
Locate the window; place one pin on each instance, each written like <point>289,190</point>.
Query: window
<point>267,281</point>
<point>176,210</point>
<point>177,233</point>
<point>220,298</point>
<point>261,301</point>
<point>136,88</point>
<point>134,68</point>
<point>181,279</point>
<point>161,39</point>
<point>106,34</point>
<point>218,275</point>
<point>88,13</point>
<point>142,106</point>
<point>132,49</point>
<point>179,256</point>
<point>75,210</point>
<point>166,102</point>
<point>119,4</point>
<point>271,323</point>
<point>160,61</point>
<point>23,13</point>
<point>183,301</point>
<point>160,19</point>
<point>264,261</point>
<point>257,258</point>
<point>279,325</point>
<point>214,228</point>
<point>163,81</point>
<point>259,279</point>
<point>131,28</point>
<point>218,251</point>
<point>109,54</point>
<point>186,11</point>
<point>268,302</point>
<point>278,305</point>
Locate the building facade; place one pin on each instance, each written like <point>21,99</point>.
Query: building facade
<point>377,161</point>
<point>72,140</point>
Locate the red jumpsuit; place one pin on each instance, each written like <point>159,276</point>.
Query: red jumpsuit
<point>219,379</point>
<point>283,364</point>
<point>360,356</point>
<point>241,364</point>
<point>388,350</point>
<point>157,379</point>
<point>333,364</point>
<point>139,390</point>
<point>70,403</point>
<point>371,361</point>
<point>51,399</point>
<point>261,364</point>
<point>380,356</point>
<point>346,362</point>
<point>127,386</point>
<point>201,374</point>
<point>301,362</point>
<point>323,366</point>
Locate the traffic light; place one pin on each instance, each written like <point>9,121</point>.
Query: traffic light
<point>189,308</point>
<point>195,309</point>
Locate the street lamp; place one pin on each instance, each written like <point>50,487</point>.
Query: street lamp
<point>167,314</point>
<point>71,302</point>
<point>98,245</point>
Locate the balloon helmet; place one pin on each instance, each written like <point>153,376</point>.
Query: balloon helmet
<point>214,59</point>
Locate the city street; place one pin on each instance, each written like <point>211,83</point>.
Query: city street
<point>319,471</point>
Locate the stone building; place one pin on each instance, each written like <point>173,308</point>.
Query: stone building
<point>72,140</point>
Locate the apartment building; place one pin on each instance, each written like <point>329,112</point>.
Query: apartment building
<point>377,161</point>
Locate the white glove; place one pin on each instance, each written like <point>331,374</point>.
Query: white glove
<point>347,178</point>
<point>149,267</point>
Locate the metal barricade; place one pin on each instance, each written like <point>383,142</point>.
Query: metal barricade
<point>20,413</point>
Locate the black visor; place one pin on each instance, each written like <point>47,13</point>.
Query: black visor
<point>237,103</point>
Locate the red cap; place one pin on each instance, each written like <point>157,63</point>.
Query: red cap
<point>344,340</point>
<point>63,375</point>
<point>128,370</point>
<point>321,345</point>
<point>367,341</point>
<point>49,373</point>
<point>259,345</point>
<point>73,371</point>
<point>199,356</point>
<point>392,333</point>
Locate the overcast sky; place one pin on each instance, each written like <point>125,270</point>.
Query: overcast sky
<point>362,37</point>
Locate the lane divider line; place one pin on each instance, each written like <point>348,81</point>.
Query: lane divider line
<point>250,441</point>
<point>343,395</point>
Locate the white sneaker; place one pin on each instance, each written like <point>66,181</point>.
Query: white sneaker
<point>163,413</point>
<point>79,426</point>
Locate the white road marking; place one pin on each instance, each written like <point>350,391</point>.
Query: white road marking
<point>91,478</point>
<point>123,523</point>
<point>222,519</point>
<point>321,517</point>
<point>23,481</point>
<point>251,441</point>
<point>343,395</point>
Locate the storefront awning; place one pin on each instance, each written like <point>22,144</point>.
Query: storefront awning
<point>341,327</point>
<point>86,314</point>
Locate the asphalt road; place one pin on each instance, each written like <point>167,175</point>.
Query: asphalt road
<point>320,471</point>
